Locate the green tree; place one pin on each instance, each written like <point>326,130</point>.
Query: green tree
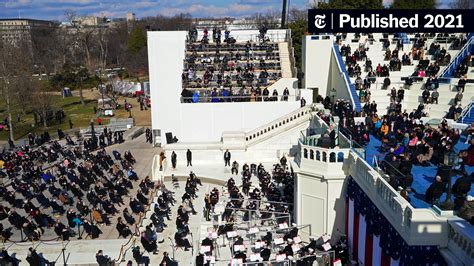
<point>352,4</point>
<point>136,40</point>
<point>298,24</point>
<point>74,77</point>
<point>413,4</point>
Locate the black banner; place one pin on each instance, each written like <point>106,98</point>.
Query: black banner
<point>390,20</point>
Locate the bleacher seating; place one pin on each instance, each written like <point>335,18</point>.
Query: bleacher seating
<point>380,62</point>
<point>240,71</point>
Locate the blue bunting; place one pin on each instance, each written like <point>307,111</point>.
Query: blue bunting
<point>391,242</point>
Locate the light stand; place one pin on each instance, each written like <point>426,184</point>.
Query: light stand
<point>450,159</point>
<point>63,250</point>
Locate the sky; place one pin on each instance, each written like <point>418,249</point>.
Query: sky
<point>55,9</point>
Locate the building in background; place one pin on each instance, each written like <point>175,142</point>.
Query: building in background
<point>130,21</point>
<point>90,20</point>
<point>13,30</point>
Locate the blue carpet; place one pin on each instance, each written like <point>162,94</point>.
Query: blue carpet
<point>373,150</point>
<point>422,176</point>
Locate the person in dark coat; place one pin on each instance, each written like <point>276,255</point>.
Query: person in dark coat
<point>102,259</point>
<point>173,159</point>
<point>227,157</point>
<point>166,261</point>
<point>462,186</point>
<point>189,157</point>
<point>434,192</point>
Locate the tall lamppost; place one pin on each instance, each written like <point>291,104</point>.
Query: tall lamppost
<point>332,94</point>
<point>450,161</point>
<point>92,128</point>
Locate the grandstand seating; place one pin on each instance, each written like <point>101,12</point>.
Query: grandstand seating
<point>377,46</point>
<point>241,69</point>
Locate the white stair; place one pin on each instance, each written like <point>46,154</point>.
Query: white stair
<point>285,60</point>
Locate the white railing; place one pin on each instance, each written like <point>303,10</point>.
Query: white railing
<point>291,53</point>
<point>461,241</point>
<point>342,71</point>
<point>324,155</point>
<point>456,59</point>
<point>466,111</point>
<point>416,226</point>
<point>288,121</point>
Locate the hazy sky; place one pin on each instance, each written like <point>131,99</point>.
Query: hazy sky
<point>54,9</point>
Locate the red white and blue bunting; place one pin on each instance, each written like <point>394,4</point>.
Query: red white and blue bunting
<point>374,241</point>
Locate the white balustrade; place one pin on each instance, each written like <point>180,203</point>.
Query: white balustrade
<point>287,121</point>
<point>420,226</point>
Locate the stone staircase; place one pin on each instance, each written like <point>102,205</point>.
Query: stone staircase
<point>285,60</point>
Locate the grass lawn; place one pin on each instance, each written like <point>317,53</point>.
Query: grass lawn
<point>80,116</point>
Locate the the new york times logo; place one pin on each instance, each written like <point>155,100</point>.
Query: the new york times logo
<point>440,20</point>
<point>320,21</point>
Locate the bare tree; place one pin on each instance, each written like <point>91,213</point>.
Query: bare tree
<point>271,19</point>
<point>460,4</point>
<point>296,14</point>
<point>14,61</point>
<point>82,36</point>
<point>113,91</point>
<point>42,103</point>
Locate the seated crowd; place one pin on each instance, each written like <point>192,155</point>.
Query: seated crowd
<point>229,71</point>
<point>266,203</point>
<point>405,142</point>
<point>68,190</point>
<point>426,67</point>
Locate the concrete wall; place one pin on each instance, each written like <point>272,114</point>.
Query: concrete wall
<point>320,199</point>
<point>165,60</point>
<point>316,58</point>
<point>205,122</point>
<point>337,80</point>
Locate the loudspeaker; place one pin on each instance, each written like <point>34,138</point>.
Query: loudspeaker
<point>169,137</point>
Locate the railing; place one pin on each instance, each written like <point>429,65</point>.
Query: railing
<point>416,226</point>
<point>325,155</point>
<point>291,50</point>
<point>448,71</point>
<point>288,121</point>
<point>273,36</point>
<point>133,238</point>
<point>466,112</point>
<point>461,241</point>
<point>229,99</point>
<point>114,125</point>
<point>349,86</point>
<point>404,37</point>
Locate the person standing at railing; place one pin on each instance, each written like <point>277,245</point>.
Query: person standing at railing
<point>286,92</point>
<point>303,102</point>
<point>189,157</point>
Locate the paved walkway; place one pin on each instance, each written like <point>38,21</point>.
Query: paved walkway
<point>82,252</point>
<point>212,175</point>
